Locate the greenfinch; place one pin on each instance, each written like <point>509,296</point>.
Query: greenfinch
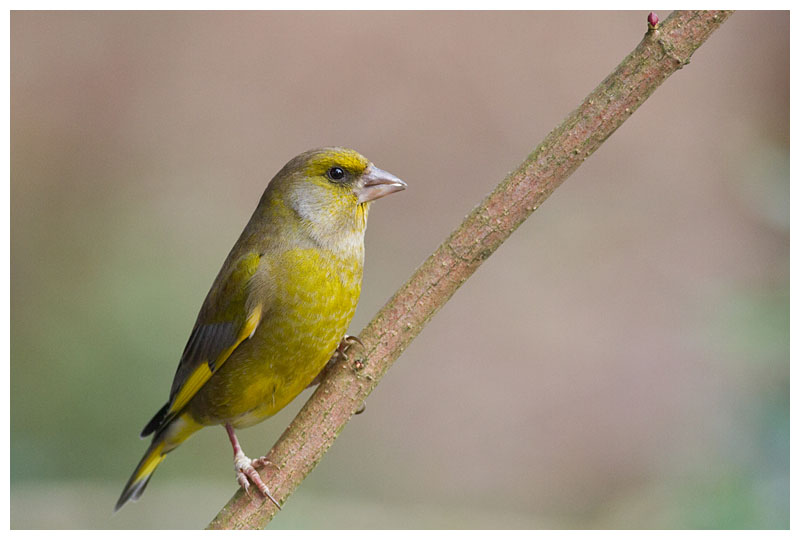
<point>276,312</point>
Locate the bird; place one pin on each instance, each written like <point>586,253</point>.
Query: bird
<point>277,311</point>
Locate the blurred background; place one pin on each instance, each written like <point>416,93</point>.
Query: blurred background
<point>621,362</point>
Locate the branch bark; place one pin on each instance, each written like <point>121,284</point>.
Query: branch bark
<point>664,49</point>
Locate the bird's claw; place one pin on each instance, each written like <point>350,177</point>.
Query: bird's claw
<point>246,472</point>
<point>340,352</point>
<point>261,462</point>
<point>346,343</point>
<point>349,340</point>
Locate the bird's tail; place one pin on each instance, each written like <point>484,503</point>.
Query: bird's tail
<point>166,440</point>
<point>141,476</point>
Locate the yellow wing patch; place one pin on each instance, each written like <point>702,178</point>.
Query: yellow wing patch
<point>203,372</point>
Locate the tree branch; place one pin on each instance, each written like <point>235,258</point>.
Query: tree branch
<point>664,49</point>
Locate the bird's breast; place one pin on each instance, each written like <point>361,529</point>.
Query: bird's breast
<point>314,297</point>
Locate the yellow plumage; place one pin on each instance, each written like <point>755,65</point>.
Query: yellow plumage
<point>278,308</point>
<point>314,300</point>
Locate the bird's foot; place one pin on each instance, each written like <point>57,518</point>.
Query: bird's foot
<point>340,352</point>
<point>246,472</point>
<point>345,344</point>
<point>262,462</point>
<point>245,468</point>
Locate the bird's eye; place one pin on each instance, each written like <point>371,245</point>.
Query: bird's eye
<point>336,173</point>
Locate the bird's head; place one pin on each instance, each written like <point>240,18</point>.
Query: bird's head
<point>330,190</point>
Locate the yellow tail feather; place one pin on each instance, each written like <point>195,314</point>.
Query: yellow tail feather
<point>140,477</point>
<point>166,440</point>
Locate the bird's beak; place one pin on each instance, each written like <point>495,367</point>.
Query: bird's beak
<point>378,183</point>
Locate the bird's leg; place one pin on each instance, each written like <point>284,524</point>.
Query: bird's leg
<point>340,352</point>
<point>245,468</point>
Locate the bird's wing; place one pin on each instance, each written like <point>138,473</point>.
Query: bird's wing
<point>208,348</point>
<point>228,317</point>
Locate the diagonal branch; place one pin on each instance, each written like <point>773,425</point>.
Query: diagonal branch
<point>664,49</point>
